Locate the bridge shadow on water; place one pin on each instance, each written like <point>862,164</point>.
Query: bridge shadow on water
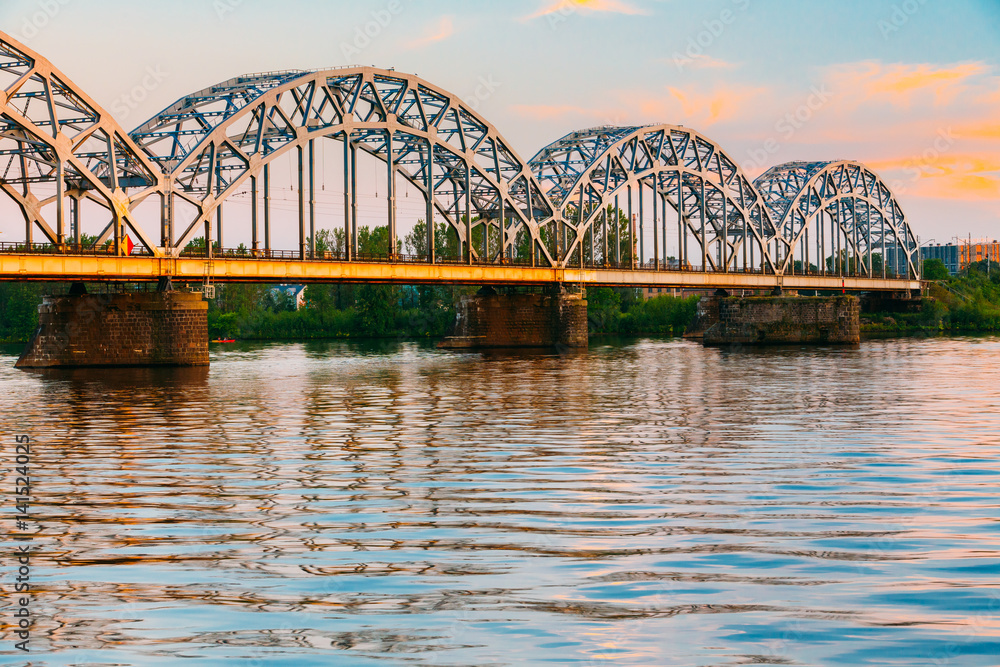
<point>127,377</point>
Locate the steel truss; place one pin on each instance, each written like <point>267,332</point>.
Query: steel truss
<point>837,210</point>
<point>58,147</point>
<point>562,209</point>
<point>713,202</point>
<point>214,141</point>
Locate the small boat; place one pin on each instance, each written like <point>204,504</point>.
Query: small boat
<point>224,340</point>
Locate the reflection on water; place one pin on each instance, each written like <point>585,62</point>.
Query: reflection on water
<point>650,502</point>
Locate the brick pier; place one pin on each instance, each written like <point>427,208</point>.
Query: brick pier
<point>786,321</point>
<point>141,329</point>
<point>491,320</point>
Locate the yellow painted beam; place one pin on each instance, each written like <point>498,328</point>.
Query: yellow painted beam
<point>98,268</point>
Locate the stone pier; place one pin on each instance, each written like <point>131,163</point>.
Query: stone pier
<point>139,329</point>
<point>491,320</point>
<point>786,321</point>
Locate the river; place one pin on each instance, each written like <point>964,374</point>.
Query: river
<point>648,502</point>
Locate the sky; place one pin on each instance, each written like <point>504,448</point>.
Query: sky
<point>909,87</point>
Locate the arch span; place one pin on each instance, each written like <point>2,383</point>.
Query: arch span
<point>59,148</point>
<point>63,157</point>
<point>836,217</point>
<point>214,141</point>
<point>714,202</point>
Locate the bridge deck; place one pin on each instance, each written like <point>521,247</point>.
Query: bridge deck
<point>100,268</point>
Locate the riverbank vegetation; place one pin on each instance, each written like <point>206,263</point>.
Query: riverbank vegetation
<point>967,302</point>
<point>624,311</point>
<point>262,312</point>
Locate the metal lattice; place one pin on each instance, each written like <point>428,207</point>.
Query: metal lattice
<point>565,207</point>
<point>57,146</point>
<point>712,200</point>
<point>837,209</point>
<point>214,141</point>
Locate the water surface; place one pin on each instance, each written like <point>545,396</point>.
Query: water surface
<point>646,503</point>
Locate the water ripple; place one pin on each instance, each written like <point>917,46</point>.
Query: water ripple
<point>649,502</point>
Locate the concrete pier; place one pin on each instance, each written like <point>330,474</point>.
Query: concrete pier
<point>139,329</point>
<point>786,321</point>
<point>490,320</point>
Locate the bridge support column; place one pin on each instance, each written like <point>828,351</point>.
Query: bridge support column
<point>140,329</point>
<point>557,319</point>
<point>786,321</point>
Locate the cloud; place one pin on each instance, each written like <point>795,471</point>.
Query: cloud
<point>964,176</point>
<point>444,29</point>
<point>904,85</point>
<point>989,129</point>
<point>695,107</point>
<point>571,6</point>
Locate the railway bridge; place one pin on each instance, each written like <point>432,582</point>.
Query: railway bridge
<point>269,177</point>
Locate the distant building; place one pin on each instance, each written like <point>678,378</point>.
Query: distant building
<point>948,254</point>
<point>296,293</point>
<point>979,251</point>
<point>653,292</point>
<point>955,256</point>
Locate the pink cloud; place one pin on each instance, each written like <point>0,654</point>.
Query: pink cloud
<point>700,107</point>
<point>444,30</point>
<point>904,85</point>
<point>961,176</point>
<point>570,6</point>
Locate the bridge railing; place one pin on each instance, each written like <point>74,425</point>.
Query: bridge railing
<point>401,258</point>
<point>67,249</point>
<point>335,256</point>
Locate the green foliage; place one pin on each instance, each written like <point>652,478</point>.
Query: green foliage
<point>618,235</point>
<point>967,302</point>
<point>197,246</point>
<point>340,311</point>
<point>854,264</point>
<point>19,310</point>
<point>623,311</point>
<point>660,315</point>
<point>604,309</point>
<point>445,240</point>
<point>934,269</point>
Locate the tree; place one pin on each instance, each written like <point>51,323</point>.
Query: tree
<point>934,269</point>
<point>197,246</point>
<point>445,240</point>
<point>603,309</point>
<point>19,309</point>
<point>619,233</point>
<point>330,241</point>
<point>375,241</point>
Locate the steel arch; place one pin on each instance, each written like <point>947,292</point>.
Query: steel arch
<point>715,201</point>
<point>863,213</point>
<point>213,141</point>
<point>58,145</point>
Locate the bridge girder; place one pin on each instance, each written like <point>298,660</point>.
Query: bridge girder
<point>215,140</point>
